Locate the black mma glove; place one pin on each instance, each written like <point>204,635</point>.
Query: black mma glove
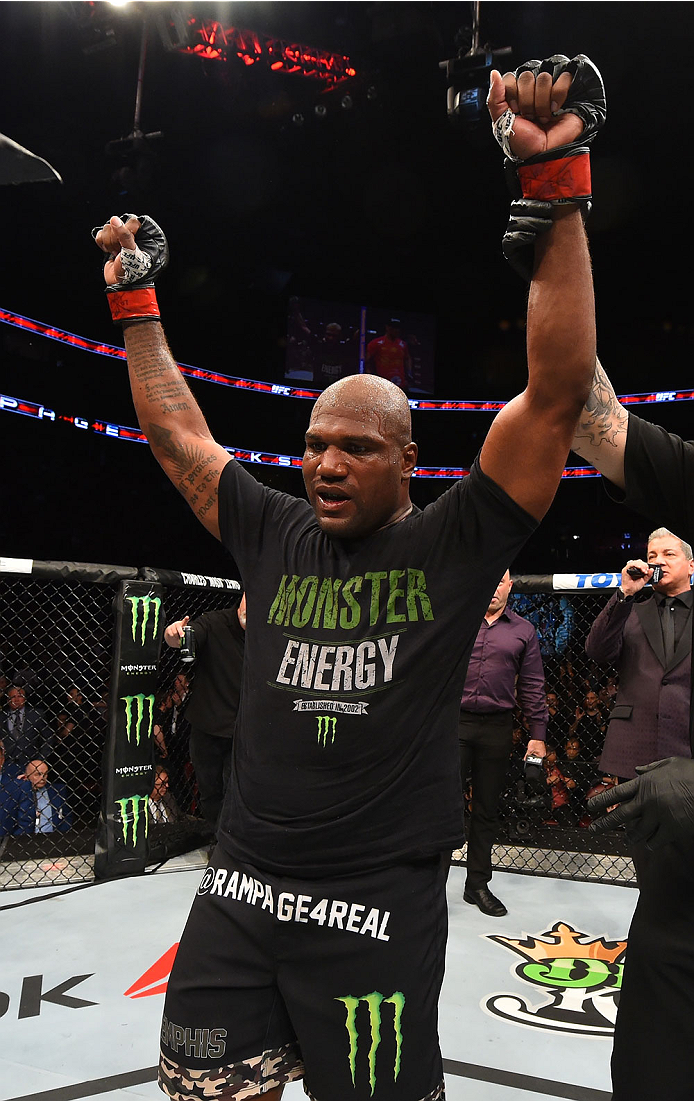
<point>657,807</point>
<point>560,175</point>
<point>528,218</point>
<point>134,298</point>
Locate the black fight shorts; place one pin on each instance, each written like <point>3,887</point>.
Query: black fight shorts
<point>335,981</point>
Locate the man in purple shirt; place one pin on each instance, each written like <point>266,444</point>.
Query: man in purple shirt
<point>505,663</point>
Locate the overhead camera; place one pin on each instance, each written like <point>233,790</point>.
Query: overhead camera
<point>468,73</point>
<point>468,83</point>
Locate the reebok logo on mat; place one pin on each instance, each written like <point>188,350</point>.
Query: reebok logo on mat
<point>156,978</point>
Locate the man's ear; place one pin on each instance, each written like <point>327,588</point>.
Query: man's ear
<point>409,459</point>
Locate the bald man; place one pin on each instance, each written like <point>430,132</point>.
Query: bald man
<point>315,946</point>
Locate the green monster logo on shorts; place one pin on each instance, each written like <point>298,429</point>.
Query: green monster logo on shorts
<point>327,725</point>
<point>135,720</point>
<point>139,806</point>
<point>144,603</point>
<point>373,1002</point>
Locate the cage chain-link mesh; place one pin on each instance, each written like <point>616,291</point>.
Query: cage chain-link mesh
<point>544,824</point>
<point>55,664</point>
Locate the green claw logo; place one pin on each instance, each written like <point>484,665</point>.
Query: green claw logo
<point>139,702</point>
<point>373,1002</point>
<point>139,806</point>
<point>327,725</point>
<point>144,604</point>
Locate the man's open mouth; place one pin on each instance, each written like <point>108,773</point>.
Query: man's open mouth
<point>331,499</point>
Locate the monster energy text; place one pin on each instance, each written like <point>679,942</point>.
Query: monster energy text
<point>338,668</point>
<point>330,602</point>
<point>373,1002</point>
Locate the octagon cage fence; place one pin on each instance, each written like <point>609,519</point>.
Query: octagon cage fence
<point>57,645</point>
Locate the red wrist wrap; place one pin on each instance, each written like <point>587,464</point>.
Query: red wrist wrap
<point>139,304</point>
<point>566,178</point>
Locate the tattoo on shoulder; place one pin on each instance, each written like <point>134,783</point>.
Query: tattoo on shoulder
<point>603,420</point>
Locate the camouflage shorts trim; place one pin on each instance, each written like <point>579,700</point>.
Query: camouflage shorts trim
<point>437,1094</point>
<point>246,1079</point>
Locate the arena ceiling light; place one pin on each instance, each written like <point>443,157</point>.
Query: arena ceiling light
<point>100,25</point>
<point>191,31</point>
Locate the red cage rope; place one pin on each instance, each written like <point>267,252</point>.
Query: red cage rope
<point>41,412</point>
<point>425,405</point>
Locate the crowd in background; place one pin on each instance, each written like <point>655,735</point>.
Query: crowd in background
<point>62,739</point>
<point>579,700</point>
<point>51,748</point>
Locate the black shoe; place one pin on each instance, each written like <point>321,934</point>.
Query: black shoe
<point>487,902</point>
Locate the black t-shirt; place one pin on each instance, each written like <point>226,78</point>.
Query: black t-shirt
<point>659,477</point>
<point>346,754</point>
<point>214,697</point>
<point>334,359</point>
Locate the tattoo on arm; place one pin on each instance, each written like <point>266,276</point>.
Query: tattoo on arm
<point>191,467</point>
<point>155,372</point>
<point>603,420</point>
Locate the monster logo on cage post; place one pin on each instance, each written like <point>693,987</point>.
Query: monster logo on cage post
<point>141,608</point>
<point>133,811</point>
<point>136,723</point>
<point>122,845</point>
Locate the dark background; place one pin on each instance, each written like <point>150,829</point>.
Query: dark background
<point>385,203</point>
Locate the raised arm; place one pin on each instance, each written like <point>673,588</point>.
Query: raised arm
<point>167,412</point>
<point>528,443</point>
<point>171,420</point>
<point>601,433</point>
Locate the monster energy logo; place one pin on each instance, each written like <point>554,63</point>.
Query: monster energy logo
<point>135,712</point>
<point>327,725</point>
<point>139,805</point>
<point>144,603</point>
<point>373,1002</point>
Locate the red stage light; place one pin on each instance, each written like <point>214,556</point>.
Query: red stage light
<point>218,43</point>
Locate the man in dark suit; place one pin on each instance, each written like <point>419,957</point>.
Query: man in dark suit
<point>16,803</point>
<point>51,811</point>
<point>25,732</point>
<point>214,699</point>
<point>647,635</point>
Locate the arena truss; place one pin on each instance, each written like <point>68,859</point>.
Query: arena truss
<point>105,427</point>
